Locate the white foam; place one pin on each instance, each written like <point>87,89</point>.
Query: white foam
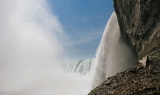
<point>113,54</point>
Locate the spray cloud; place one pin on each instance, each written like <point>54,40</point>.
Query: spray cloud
<point>30,51</point>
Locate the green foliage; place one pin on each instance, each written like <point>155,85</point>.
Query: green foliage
<point>148,49</point>
<point>155,56</point>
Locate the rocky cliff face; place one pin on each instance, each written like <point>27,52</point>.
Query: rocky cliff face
<point>139,22</point>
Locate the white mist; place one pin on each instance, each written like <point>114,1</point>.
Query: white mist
<point>30,49</point>
<point>113,54</point>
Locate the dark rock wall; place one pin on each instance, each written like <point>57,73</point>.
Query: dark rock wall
<point>139,22</point>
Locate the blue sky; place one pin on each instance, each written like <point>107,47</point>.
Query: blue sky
<point>84,22</point>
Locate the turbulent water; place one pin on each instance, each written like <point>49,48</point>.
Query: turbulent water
<point>81,66</point>
<point>113,54</point>
<point>31,49</point>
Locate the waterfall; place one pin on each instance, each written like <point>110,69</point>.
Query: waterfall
<point>31,51</point>
<point>81,66</point>
<point>113,54</point>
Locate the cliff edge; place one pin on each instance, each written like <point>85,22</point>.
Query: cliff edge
<point>139,22</point>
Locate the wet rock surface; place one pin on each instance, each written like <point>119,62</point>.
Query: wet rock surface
<point>139,22</point>
<point>138,80</point>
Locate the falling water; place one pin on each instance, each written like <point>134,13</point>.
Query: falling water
<point>113,54</point>
<point>30,51</point>
<point>80,66</point>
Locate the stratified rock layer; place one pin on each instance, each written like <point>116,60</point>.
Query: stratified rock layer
<point>139,22</point>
